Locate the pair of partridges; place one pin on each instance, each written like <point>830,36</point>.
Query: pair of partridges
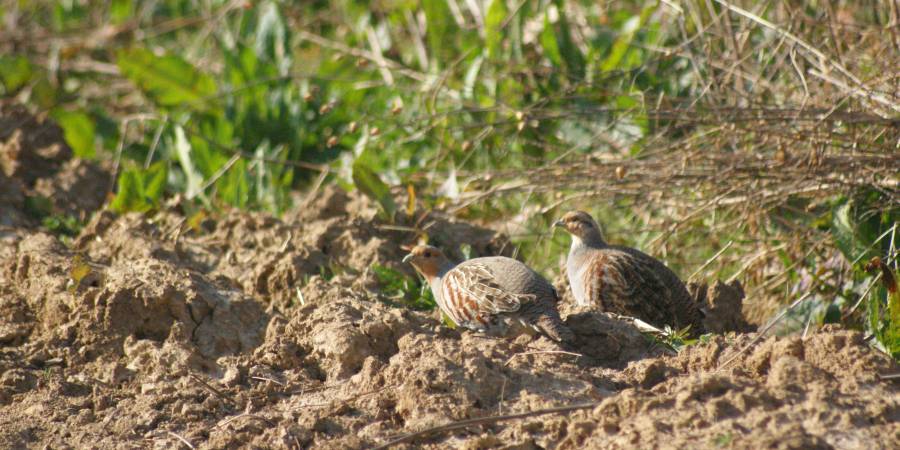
<point>487,293</point>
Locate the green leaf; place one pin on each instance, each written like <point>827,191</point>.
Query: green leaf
<point>44,93</point>
<point>234,185</point>
<point>471,78</point>
<point>168,80</point>
<point>79,270</point>
<point>368,182</point>
<point>493,27</point>
<point>549,43</point>
<point>556,40</point>
<point>15,72</point>
<point>570,52</point>
<point>448,322</point>
<point>155,181</point>
<point>128,195</point>
<point>852,240</point>
<point>38,206</point>
<point>440,26</point>
<point>79,130</point>
<point>623,43</point>
<point>121,10</point>
<point>140,190</point>
<point>271,35</point>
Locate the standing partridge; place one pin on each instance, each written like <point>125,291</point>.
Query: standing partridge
<point>623,280</point>
<point>484,293</point>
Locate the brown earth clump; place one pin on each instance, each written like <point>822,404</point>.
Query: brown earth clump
<point>242,330</point>
<point>36,167</point>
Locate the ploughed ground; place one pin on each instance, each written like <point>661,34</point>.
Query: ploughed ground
<point>244,330</point>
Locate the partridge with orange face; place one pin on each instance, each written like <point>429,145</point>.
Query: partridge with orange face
<point>485,293</point>
<point>623,280</point>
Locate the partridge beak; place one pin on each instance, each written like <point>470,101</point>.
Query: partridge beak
<point>559,223</point>
<point>407,258</point>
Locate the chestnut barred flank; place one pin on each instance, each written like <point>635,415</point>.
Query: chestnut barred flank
<point>488,293</point>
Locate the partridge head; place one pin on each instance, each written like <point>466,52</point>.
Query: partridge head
<point>582,227</point>
<point>427,260</point>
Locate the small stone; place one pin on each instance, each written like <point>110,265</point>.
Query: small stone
<point>118,373</point>
<point>233,376</point>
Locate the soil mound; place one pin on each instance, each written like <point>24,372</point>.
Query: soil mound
<point>37,171</point>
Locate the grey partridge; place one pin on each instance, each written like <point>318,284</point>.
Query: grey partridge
<point>623,280</point>
<point>485,293</point>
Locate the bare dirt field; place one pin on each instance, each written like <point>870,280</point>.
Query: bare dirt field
<point>244,330</point>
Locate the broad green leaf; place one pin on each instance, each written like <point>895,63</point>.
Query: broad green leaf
<point>493,27</point>
<point>15,72</point>
<point>168,80</point>
<point>368,182</point>
<point>79,130</point>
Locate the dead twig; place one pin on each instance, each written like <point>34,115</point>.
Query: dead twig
<point>243,414</point>
<point>482,421</point>
<point>350,399</point>
<point>317,388</point>
<point>215,391</point>
<point>182,439</point>
<point>539,352</point>
<point>820,59</point>
<point>710,260</point>
<point>267,379</point>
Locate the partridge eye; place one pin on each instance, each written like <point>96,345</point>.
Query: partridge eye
<point>427,254</point>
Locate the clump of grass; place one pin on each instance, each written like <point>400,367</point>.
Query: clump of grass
<point>402,289</point>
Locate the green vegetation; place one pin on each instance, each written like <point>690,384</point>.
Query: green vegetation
<point>41,208</point>
<point>680,125</point>
<point>404,290</point>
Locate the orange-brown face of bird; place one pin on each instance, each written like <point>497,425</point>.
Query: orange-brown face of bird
<point>579,223</point>
<point>426,259</point>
